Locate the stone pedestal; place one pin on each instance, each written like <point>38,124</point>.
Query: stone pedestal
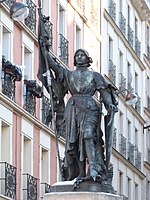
<point>81,196</point>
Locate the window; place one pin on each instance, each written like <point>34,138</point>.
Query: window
<point>128,15</point>
<point>46,7</point>
<point>6,44</point>
<point>61,20</point>
<point>147,190</point>
<point>120,6</point>
<point>121,61</point>
<point>121,122</point>
<point>129,188</point>
<point>136,191</point>
<point>78,38</point>
<point>136,27</point>
<point>136,83</point>
<point>136,138</point>
<point>110,49</point>
<point>26,155</point>
<point>129,130</point>
<point>120,182</point>
<point>28,70</point>
<point>44,166</point>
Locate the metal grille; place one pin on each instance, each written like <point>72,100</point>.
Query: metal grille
<point>30,185</point>
<point>46,111</point>
<point>63,46</point>
<point>137,47</point>
<point>137,158</point>
<point>122,145</point>
<point>122,24</point>
<point>114,137</point>
<point>112,72</point>
<point>49,29</point>
<point>30,21</point>
<point>131,152</point>
<point>8,88</point>
<point>112,10</point>
<point>130,36</point>
<point>9,184</point>
<point>9,3</point>
<point>122,84</point>
<point>138,105</point>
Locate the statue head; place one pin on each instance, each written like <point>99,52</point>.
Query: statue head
<point>81,57</point>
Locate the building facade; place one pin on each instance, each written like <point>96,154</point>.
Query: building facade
<point>116,34</point>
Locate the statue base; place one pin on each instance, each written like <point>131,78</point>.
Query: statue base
<point>81,195</point>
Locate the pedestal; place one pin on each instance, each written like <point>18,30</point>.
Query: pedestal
<point>81,196</point>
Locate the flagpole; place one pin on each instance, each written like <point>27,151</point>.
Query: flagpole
<point>49,86</point>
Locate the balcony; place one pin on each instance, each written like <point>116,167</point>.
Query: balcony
<point>30,187</point>
<point>112,72</point>
<point>9,3</point>
<point>114,138</point>
<point>63,49</point>
<point>49,30</point>
<point>122,84</point>
<point>122,24</point>
<point>33,90</point>
<point>45,188</point>
<point>131,152</point>
<point>46,111</point>
<point>30,21</point>
<point>112,10</point>
<point>11,74</point>
<point>138,105</point>
<point>137,159</point>
<point>130,36</point>
<point>122,146</point>
<point>137,47</point>
<point>8,180</point>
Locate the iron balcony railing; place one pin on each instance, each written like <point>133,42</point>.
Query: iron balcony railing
<point>131,152</point>
<point>46,111</point>
<point>122,145</point>
<point>122,84</point>
<point>30,187</point>
<point>148,52</point>
<point>112,72</point>
<point>138,105</point>
<point>33,90</point>
<point>30,21</point>
<point>49,29</point>
<point>122,23</point>
<point>130,36</point>
<point>112,10</point>
<point>137,47</point>
<point>9,3</point>
<point>8,180</point>
<point>45,188</point>
<point>137,158</point>
<point>11,74</point>
<point>63,47</point>
<point>114,138</point>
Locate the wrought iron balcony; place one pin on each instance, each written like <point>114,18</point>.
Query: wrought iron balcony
<point>122,145</point>
<point>148,52</point>
<point>30,187</point>
<point>130,36</point>
<point>12,73</point>
<point>131,152</point>
<point>46,111</point>
<point>114,138</point>
<point>138,105</point>
<point>112,72</point>
<point>45,188</point>
<point>30,21</point>
<point>33,90</point>
<point>9,3</point>
<point>8,180</point>
<point>49,29</point>
<point>112,10</point>
<point>122,24</point>
<point>137,47</point>
<point>137,158</point>
<point>63,46</point>
<point>122,84</point>
<point>81,4</point>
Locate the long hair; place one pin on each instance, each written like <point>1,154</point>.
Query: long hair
<point>89,59</point>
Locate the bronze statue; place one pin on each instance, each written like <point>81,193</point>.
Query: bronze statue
<point>80,119</point>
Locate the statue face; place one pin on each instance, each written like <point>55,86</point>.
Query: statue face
<point>81,58</point>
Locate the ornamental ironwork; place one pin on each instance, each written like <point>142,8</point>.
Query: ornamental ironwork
<point>122,23</point>
<point>31,187</point>
<point>138,105</point>
<point>46,111</point>
<point>81,4</point>
<point>30,21</point>
<point>33,90</point>
<point>114,138</point>
<point>137,47</point>
<point>130,36</point>
<point>112,72</point>
<point>112,10</point>
<point>63,46</point>
<point>137,158</point>
<point>122,145</point>
<point>49,30</point>
<point>122,84</point>
<point>9,180</point>
<point>131,152</point>
<point>12,73</point>
<point>9,3</point>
